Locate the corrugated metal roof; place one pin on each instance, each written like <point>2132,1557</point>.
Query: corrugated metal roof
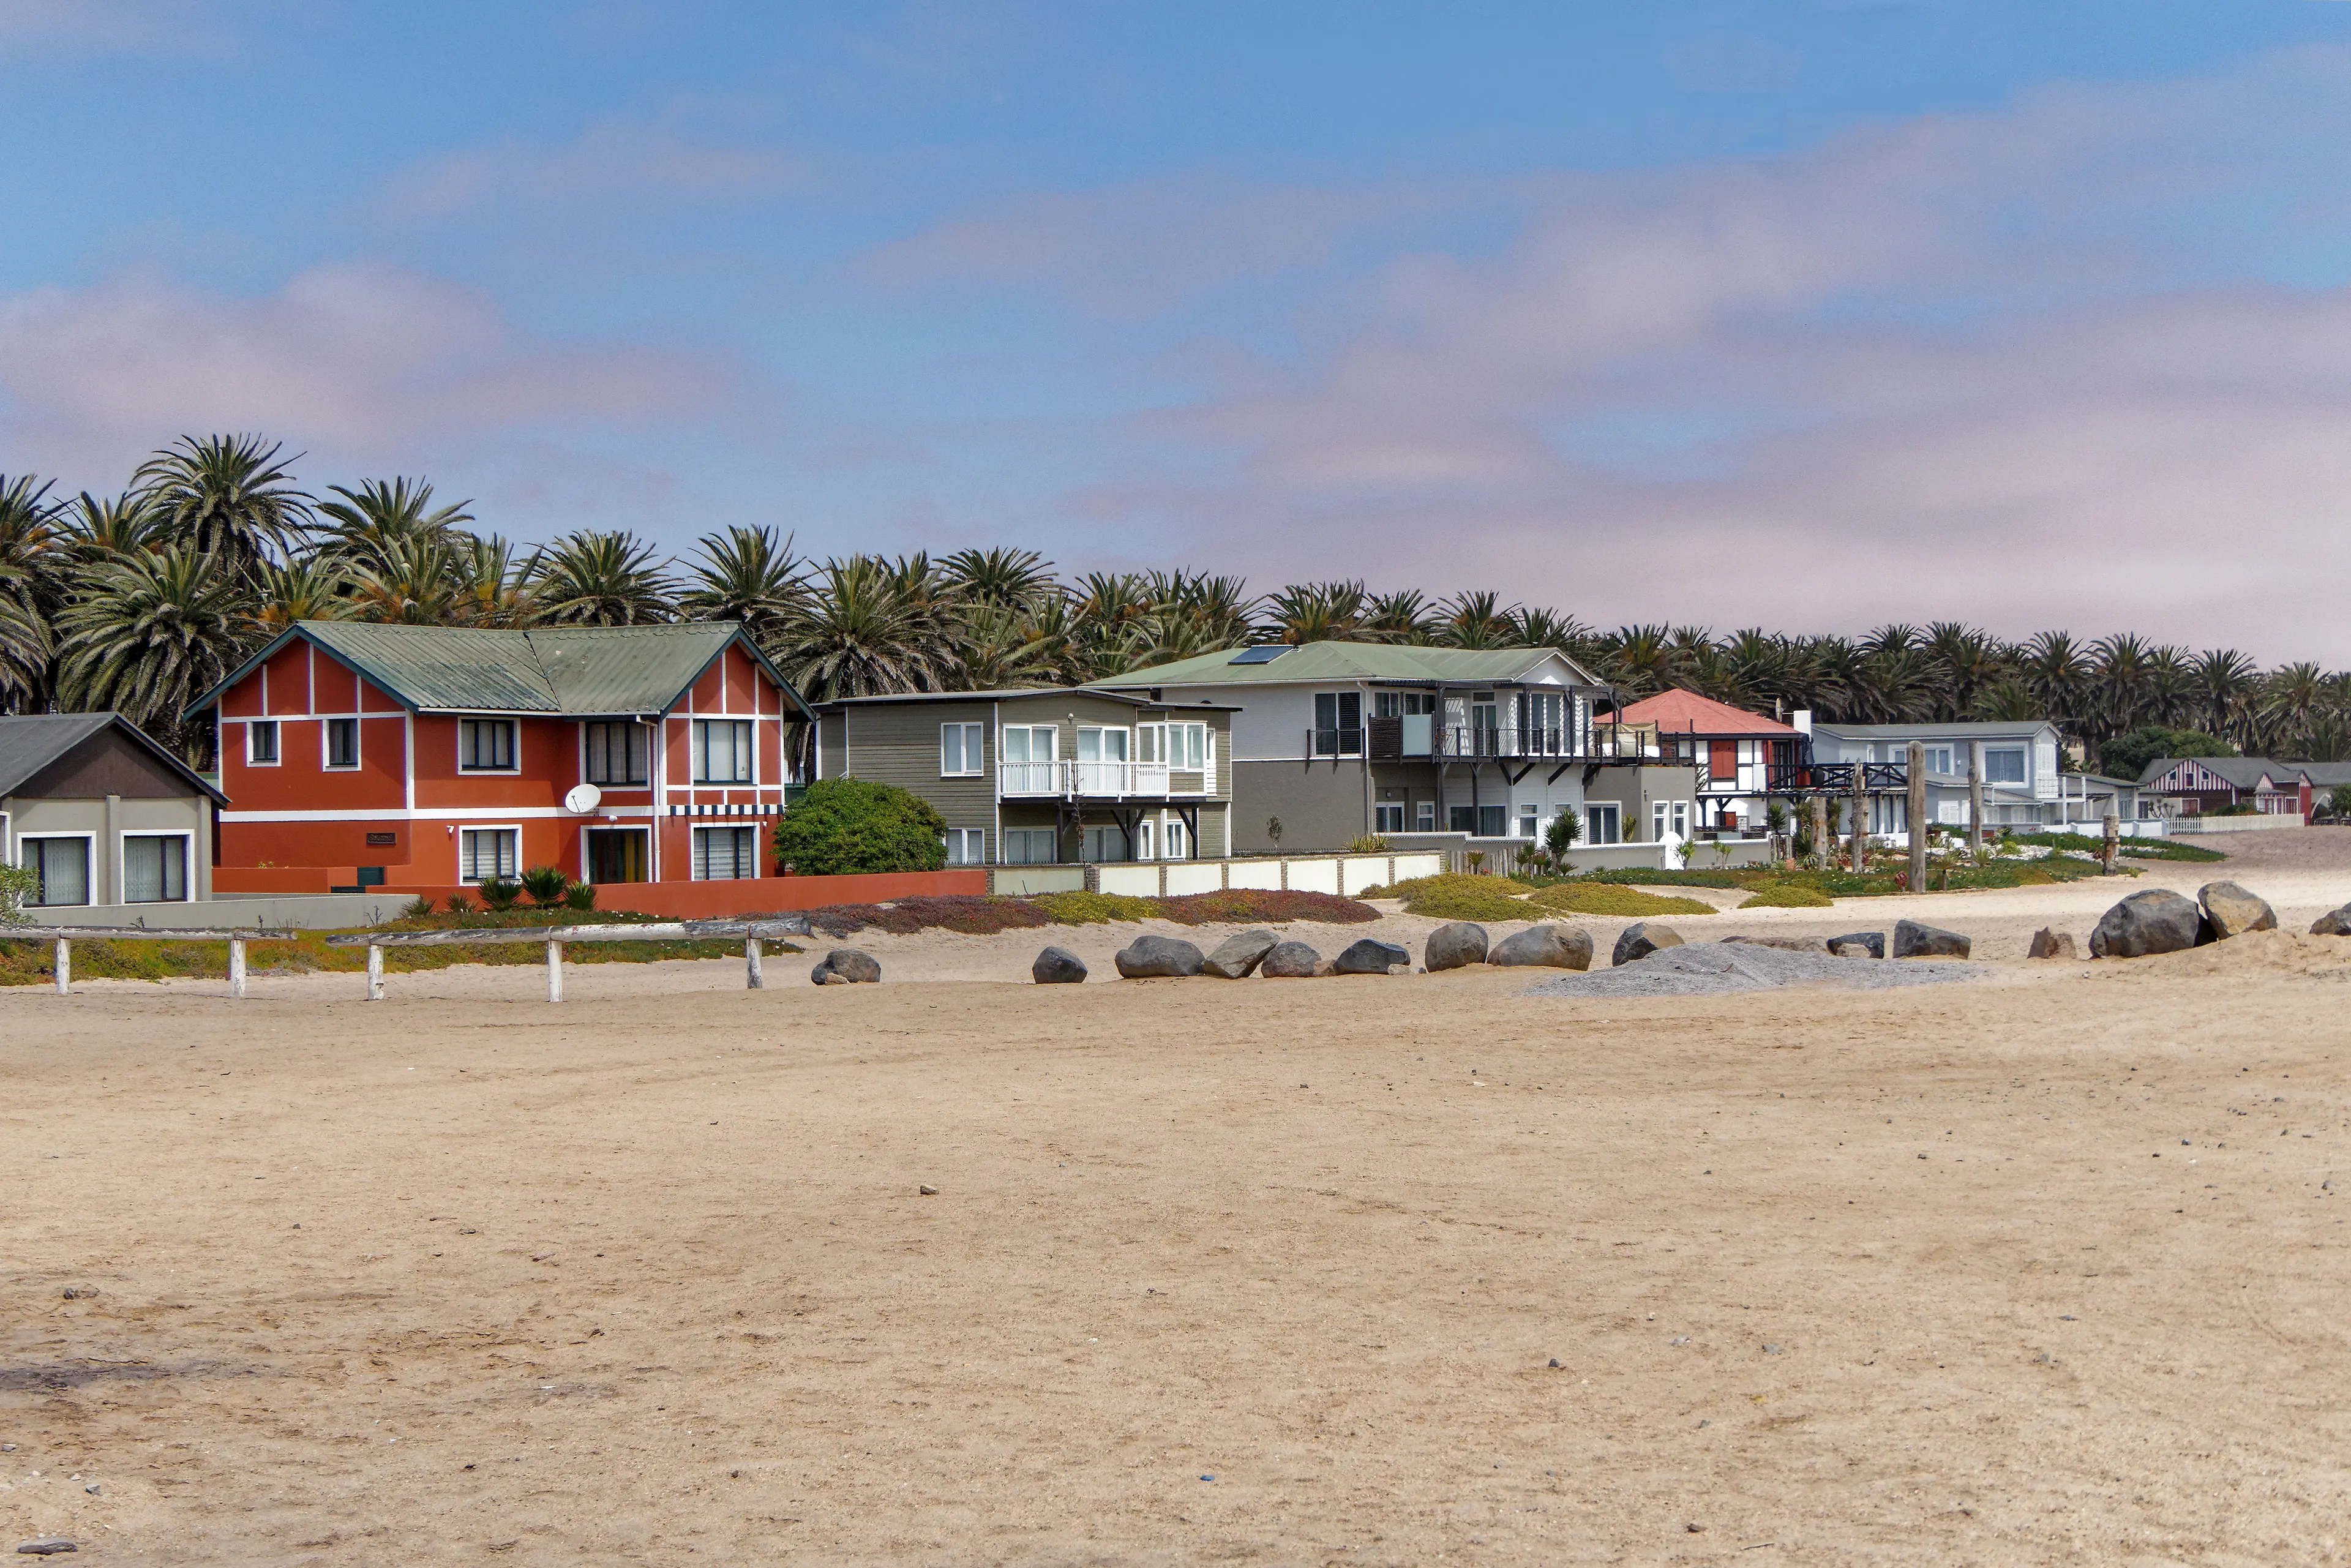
<point>30,742</point>
<point>1353,662</point>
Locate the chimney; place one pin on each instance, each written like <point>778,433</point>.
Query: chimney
<point>1801,721</point>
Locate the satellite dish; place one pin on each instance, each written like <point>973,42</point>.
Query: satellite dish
<point>582,799</point>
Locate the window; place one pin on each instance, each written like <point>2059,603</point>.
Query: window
<point>960,751</point>
<point>1388,818</point>
<point>722,751</point>
<point>1102,746</point>
<point>342,743</point>
<point>1427,816</point>
<point>1668,820</point>
<point>154,868</point>
<point>1029,846</point>
<point>261,743</point>
<point>1338,725</point>
<point>1146,840</point>
<point>2003,765</point>
<point>726,854</point>
<point>1493,821</point>
<point>1029,743</point>
<point>1603,824</point>
<point>967,846</point>
<point>1184,747</point>
<point>1545,723</point>
<point>1461,819</point>
<point>486,854</point>
<point>63,867</point>
<point>1527,815</point>
<point>616,752</point>
<point>1172,842</point>
<point>1938,759</point>
<point>1397,705</point>
<point>1105,844</point>
<point>485,745</point>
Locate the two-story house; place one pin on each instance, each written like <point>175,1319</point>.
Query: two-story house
<point>2021,769</point>
<point>1742,759</point>
<point>357,755</point>
<point>1039,776</point>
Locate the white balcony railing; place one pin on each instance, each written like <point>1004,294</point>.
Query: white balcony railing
<point>1092,780</point>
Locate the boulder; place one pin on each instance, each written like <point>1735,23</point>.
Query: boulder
<point>1290,961</point>
<point>1642,938</point>
<point>2333,923</point>
<point>1369,958</point>
<point>1238,956</point>
<point>2051,943</point>
<point>1452,945</point>
<point>847,966</point>
<point>1861,945</point>
<point>1058,966</point>
<point>1545,946</point>
<point>1157,958</point>
<point>1785,944</point>
<point>1913,940</point>
<point>2230,911</point>
<point>2156,921</point>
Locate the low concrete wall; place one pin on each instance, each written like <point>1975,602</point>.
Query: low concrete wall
<point>1338,873</point>
<point>2258,823</point>
<point>302,912</point>
<point>1020,881</point>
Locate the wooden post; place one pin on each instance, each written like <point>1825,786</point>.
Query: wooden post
<point>236,967</point>
<point>1860,818</point>
<point>1975,797</point>
<point>753,980</point>
<point>1823,853</point>
<point>2114,840</point>
<point>63,964</point>
<point>555,971</point>
<point>1917,774</point>
<point>375,972</point>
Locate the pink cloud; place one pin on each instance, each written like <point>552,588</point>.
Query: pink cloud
<point>613,160</point>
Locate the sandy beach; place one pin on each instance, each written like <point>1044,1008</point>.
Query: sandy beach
<point>2041,1268</point>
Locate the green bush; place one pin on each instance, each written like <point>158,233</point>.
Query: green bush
<point>497,894</point>
<point>850,827</point>
<point>17,884</point>
<point>1095,908</point>
<point>546,885</point>
<point>1787,895</point>
<point>1610,898</point>
<point>578,895</point>
<point>2127,756</point>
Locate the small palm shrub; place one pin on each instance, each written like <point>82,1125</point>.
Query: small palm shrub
<point>546,885</point>
<point>460,904</point>
<point>417,909</point>
<point>500,895</point>
<point>579,895</point>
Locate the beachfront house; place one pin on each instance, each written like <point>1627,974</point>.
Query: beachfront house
<point>1449,748</point>
<point>101,816</point>
<point>357,755</point>
<point>2021,770</point>
<point>1039,776</point>
<point>2201,786</point>
<point>1742,761</point>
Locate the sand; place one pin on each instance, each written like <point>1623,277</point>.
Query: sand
<point>2044,1268</point>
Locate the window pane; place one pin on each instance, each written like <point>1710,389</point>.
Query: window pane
<point>142,870</point>
<point>63,867</point>
<point>1326,710</point>
<point>261,742</point>
<point>951,749</point>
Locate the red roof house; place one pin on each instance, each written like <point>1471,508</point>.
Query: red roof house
<point>1738,751</point>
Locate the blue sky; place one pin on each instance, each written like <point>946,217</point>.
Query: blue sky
<point>1805,314</point>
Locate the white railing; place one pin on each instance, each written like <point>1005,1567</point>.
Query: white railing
<point>1092,780</point>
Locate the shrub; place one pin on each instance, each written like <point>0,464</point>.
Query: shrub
<point>2233,808</point>
<point>417,909</point>
<point>546,885</point>
<point>499,894</point>
<point>967,913</point>
<point>1608,898</point>
<point>1369,844</point>
<point>2339,800</point>
<point>1414,886</point>
<point>458,904</point>
<point>1095,908</point>
<point>18,883</point>
<point>1450,897</point>
<point>2127,756</point>
<point>1787,895</point>
<point>848,827</point>
<point>1264,907</point>
<point>579,895</point>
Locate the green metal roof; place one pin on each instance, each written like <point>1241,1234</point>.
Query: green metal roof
<point>563,670</point>
<point>1353,662</point>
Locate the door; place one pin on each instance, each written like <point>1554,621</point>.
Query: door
<point>616,854</point>
<point>1102,762</point>
<point>1026,764</point>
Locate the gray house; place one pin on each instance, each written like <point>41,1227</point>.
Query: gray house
<point>2023,771</point>
<point>1042,775</point>
<point>101,814</point>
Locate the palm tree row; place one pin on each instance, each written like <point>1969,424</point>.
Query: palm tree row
<point>143,601</point>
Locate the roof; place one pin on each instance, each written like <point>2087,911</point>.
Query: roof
<point>30,742</point>
<point>1322,661</point>
<point>1006,694</point>
<point>574,670</point>
<point>2324,775</point>
<point>1680,712</point>
<point>1963,729</point>
<point>2237,772</point>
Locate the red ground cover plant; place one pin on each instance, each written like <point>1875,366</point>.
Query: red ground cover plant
<point>967,913</point>
<point>1264,907</point>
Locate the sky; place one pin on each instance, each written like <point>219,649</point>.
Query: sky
<point>1811,315</point>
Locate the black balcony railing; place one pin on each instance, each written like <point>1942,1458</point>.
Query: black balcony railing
<point>1836,778</point>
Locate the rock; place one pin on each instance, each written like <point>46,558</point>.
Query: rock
<point>1453,945</point>
<point>1238,956</point>
<point>1642,938</point>
<point>1858,945</point>
<point>1058,966</point>
<point>2156,921</point>
<point>49,1546</point>
<point>2333,923</point>
<point>2230,911</point>
<point>1912,940</point>
<point>847,966</point>
<point>1785,944</point>
<point>1290,961</point>
<point>1369,958</point>
<point>1158,957</point>
<point>1545,946</point>
<point>925,1189</point>
<point>2051,943</point>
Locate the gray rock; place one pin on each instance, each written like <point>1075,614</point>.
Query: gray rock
<point>2156,921</point>
<point>2051,943</point>
<point>1290,961</point>
<point>1785,944</point>
<point>1369,958</point>
<point>847,966</point>
<point>1913,940</point>
<point>49,1546</point>
<point>1642,938</point>
<point>1545,946</point>
<point>1058,966</point>
<point>1865,944</point>
<point>1238,956</point>
<point>1159,957</point>
<point>2333,923</point>
<point>1452,945</point>
<point>2230,911</point>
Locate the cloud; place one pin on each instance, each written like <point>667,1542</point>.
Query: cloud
<point>613,161</point>
<point>366,361</point>
<point>108,26</point>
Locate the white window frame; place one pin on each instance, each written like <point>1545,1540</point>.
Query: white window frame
<point>1176,838</point>
<point>187,863</point>
<point>276,742</point>
<point>971,743</point>
<point>464,828</point>
<point>1124,733</point>
<point>967,846</point>
<point>1382,812</point>
<point>697,865</point>
<point>1146,839</point>
<point>514,745</point>
<point>327,764</point>
<point>1052,842</point>
<point>2023,755</point>
<point>634,734</point>
<point>1424,815</point>
<point>90,871</point>
<point>698,752</point>
<point>1615,811</point>
<point>1207,746</point>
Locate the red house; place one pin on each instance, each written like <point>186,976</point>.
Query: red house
<point>358,756</point>
<point>1743,758</point>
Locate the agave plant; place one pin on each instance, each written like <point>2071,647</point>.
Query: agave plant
<point>229,496</point>
<point>546,885</point>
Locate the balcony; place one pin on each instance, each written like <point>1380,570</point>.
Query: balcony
<point>1069,780</point>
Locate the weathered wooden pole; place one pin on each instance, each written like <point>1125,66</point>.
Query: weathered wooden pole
<point>62,963</point>
<point>236,968</point>
<point>1823,850</point>
<point>2114,840</point>
<point>375,971</point>
<point>1917,772</point>
<point>555,971</point>
<point>1860,818</point>
<point>1975,797</point>
<point>752,978</point>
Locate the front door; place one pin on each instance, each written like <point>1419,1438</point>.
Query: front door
<point>616,854</point>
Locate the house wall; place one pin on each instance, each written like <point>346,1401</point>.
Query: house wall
<point>1633,789</point>
<point>106,821</point>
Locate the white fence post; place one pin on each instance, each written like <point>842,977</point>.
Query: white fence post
<point>555,971</point>
<point>753,980</point>
<point>236,967</point>
<point>63,965</point>
<point>375,971</point>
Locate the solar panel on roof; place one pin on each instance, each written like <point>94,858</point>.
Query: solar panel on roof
<point>1259,655</point>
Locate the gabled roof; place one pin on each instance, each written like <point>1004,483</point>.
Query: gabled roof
<point>1960,729</point>
<point>2323,775</point>
<point>1678,712</point>
<point>566,671</point>
<point>1009,693</point>
<point>1355,662</point>
<point>2237,772</point>
<point>31,742</point>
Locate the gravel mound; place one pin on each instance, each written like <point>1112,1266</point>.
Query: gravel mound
<point>1714,968</point>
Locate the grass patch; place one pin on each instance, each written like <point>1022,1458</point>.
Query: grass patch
<point>1786,896</point>
<point>2138,848</point>
<point>1604,898</point>
<point>1627,874</point>
<point>1095,908</point>
<point>1264,907</point>
<point>1445,882</point>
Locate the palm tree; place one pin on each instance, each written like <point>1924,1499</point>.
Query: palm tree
<point>1200,612</point>
<point>225,495</point>
<point>1549,629</point>
<point>1316,613</point>
<point>1641,659</point>
<point>148,633</point>
<point>369,521</point>
<point>1398,617</point>
<point>411,581</point>
<point>2227,681</point>
<point>603,580</point>
<point>1476,620</point>
<point>491,588</point>
<point>1009,578</point>
<point>999,649</point>
<point>30,562</point>
<point>746,575</point>
<point>2170,687</point>
<point>94,530</point>
<point>2122,695</point>
<point>2293,698</point>
<point>859,635</point>
<point>308,588</point>
<point>2058,674</point>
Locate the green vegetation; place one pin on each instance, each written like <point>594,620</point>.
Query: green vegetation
<point>1606,898</point>
<point>1095,908</point>
<point>1786,896</point>
<point>845,827</point>
<point>546,885</point>
<point>981,916</point>
<point>967,913</point>
<point>1453,896</point>
<point>17,884</point>
<point>2127,756</point>
<point>2140,849</point>
<point>1263,906</point>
